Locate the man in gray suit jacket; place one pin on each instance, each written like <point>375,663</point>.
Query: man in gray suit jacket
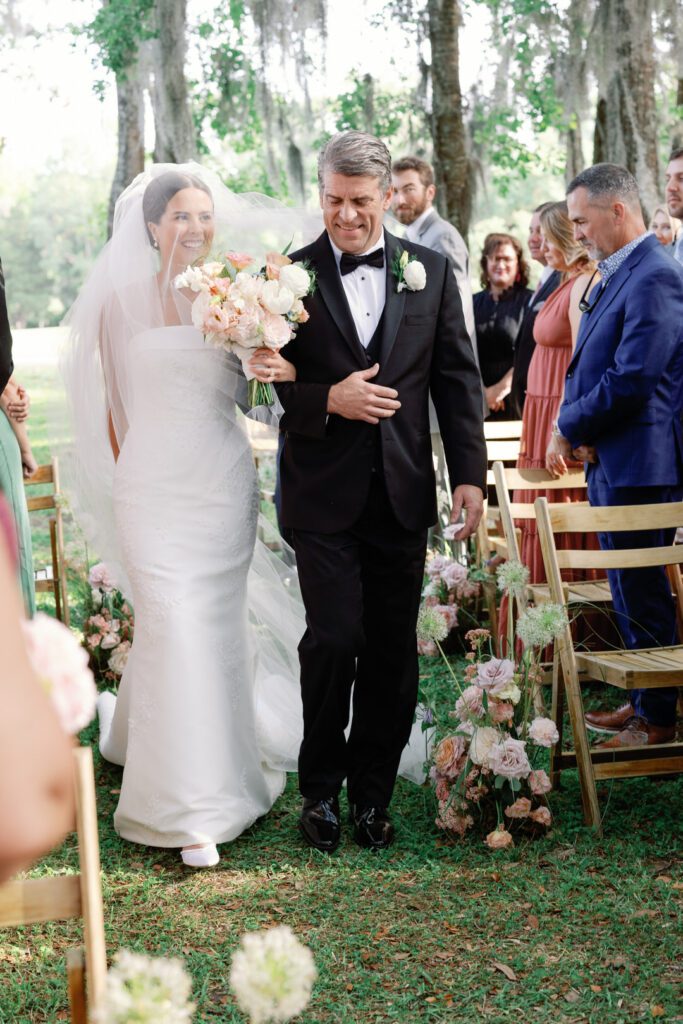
<point>412,205</point>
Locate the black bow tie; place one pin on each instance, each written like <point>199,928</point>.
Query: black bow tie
<point>349,263</point>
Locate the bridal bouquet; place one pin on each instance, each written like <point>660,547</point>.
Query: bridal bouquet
<point>242,311</point>
<point>485,769</point>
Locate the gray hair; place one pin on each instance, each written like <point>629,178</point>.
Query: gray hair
<point>603,181</point>
<point>354,154</point>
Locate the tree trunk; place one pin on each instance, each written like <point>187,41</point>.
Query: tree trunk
<point>451,157</point>
<point>131,133</point>
<point>627,89</point>
<point>571,86</point>
<point>176,140</point>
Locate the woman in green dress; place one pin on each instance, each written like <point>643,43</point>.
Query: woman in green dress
<point>16,464</point>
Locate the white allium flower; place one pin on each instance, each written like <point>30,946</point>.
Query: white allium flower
<point>272,975</point>
<point>431,625</point>
<point>539,626</point>
<point>512,577</point>
<point>146,990</point>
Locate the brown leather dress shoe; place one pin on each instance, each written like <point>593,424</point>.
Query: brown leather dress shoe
<point>609,721</point>
<point>639,733</point>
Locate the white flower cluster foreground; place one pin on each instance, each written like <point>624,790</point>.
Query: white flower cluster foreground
<point>272,975</point>
<point>61,665</point>
<point>146,990</point>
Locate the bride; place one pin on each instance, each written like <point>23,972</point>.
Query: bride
<point>183,514</point>
<point>208,714</point>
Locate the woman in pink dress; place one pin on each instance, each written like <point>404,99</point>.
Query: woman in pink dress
<point>555,332</point>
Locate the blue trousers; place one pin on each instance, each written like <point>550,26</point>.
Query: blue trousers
<point>646,614</point>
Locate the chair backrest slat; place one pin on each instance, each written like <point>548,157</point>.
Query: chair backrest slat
<point>632,558</point>
<point>43,475</point>
<point>541,480</point>
<point>506,451</point>
<point>502,430</point>
<point>570,518</point>
<point>35,900</point>
<point>45,501</point>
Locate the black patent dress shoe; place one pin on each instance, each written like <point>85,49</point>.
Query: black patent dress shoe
<point>319,823</point>
<point>372,827</point>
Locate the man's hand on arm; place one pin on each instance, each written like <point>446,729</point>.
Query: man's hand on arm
<point>471,499</point>
<point>355,398</point>
<point>585,453</point>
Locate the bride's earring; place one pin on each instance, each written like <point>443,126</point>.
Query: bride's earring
<point>155,244</point>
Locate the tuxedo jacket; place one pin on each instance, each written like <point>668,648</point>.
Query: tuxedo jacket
<point>327,461</point>
<point>6,365</point>
<point>525,344</point>
<point>624,386</point>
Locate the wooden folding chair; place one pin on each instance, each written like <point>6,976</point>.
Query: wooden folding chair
<point>626,669</point>
<point>52,578</point>
<point>580,593</point>
<point>63,897</point>
<point>502,445</point>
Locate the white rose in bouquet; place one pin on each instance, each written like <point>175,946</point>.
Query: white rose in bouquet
<point>415,276</point>
<point>247,287</point>
<point>484,739</point>
<point>276,298</point>
<point>119,657</point>
<point>294,277</point>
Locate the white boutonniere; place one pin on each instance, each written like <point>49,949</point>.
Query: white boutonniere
<point>408,271</point>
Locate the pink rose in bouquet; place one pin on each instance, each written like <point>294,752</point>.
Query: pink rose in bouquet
<point>520,808</point>
<point>509,759</point>
<point>543,731</point>
<point>539,783</point>
<point>450,756</point>
<point>499,839</point>
<point>495,672</point>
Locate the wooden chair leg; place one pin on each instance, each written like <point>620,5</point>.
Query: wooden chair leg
<point>91,892</point>
<point>584,763</point>
<point>56,577</point>
<point>75,972</point>
<point>489,587</point>
<point>557,714</point>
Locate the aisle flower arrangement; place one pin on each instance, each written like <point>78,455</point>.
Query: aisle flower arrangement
<point>242,312</point>
<point>485,771</point>
<point>108,625</point>
<point>454,590</point>
<point>61,667</point>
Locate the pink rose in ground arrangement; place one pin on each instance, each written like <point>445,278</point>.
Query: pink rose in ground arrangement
<point>435,566</point>
<point>539,783</point>
<point>450,755</point>
<point>453,574</point>
<point>520,808</point>
<point>495,672</point>
<point>543,731</point>
<point>542,816</point>
<point>509,759</point>
<point>469,704</point>
<point>499,839</point>
<point>100,576</point>
<point>500,711</point>
<point>450,614</point>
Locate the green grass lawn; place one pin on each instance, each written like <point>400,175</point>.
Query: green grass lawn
<point>570,928</point>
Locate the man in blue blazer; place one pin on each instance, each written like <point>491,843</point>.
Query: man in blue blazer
<point>621,414</point>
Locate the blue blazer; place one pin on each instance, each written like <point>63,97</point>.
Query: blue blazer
<point>624,386</point>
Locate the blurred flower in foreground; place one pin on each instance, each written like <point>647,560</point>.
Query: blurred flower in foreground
<point>61,666</point>
<point>146,990</point>
<point>272,975</point>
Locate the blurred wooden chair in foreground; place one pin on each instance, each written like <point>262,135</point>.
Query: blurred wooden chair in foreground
<point>623,668</point>
<point>51,579</point>
<point>63,897</point>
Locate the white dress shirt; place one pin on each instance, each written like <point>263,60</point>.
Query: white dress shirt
<point>412,231</point>
<point>366,292</point>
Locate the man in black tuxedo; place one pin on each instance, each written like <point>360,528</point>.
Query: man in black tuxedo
<point>357,482</point>
<point>6,365</point>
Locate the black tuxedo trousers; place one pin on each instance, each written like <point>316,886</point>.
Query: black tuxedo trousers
<point>361,588</point>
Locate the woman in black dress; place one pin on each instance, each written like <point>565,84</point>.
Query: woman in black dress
<point>498,312</point>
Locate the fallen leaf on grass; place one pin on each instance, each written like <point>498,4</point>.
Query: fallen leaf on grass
<point>596,988</point>
<point>506,970</point>
<point>533,921</point>
<point>572,996</point>
<point>661,866</point>
<point>402,956</point>
<point>657,1011</point>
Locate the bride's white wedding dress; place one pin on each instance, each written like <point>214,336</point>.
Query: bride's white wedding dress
<point>186,505</point>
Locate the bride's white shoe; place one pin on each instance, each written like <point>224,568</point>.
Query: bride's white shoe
<point>204,856</point>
